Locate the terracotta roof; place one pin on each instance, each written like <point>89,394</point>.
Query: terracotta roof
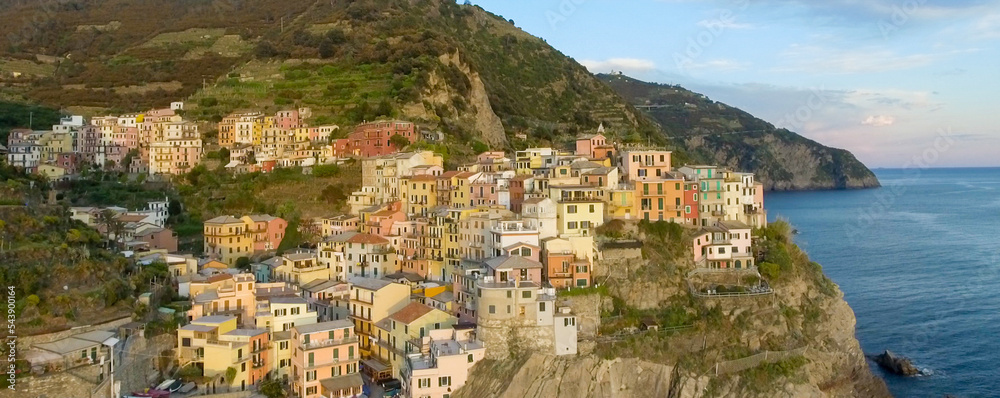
<point>423,177</point>
<point>367,238</point>
<point>465,174</point>
<point>449,174</point>
<point>411,312</point>
<point>512,262</point>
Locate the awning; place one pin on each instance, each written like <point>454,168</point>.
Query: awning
<point>336,384</point>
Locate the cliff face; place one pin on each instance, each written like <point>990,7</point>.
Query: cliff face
<point>717,347</point>
<point>834,365</point>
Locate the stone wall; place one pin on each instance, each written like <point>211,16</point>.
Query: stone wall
<point>505,337</point>
<point>27,341</point>
<point>138,368</point>
<point>56,385</point>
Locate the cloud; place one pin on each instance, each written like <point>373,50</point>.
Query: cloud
<point>723,24</point>
<point>619,64</point>
<point>878,120</point>
<point>716,65</point>
<point>822,60</point>
<point>987,27</point>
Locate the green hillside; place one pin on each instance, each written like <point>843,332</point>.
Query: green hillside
<point>716,133</point>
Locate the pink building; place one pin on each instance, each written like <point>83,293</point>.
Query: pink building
<point>728,244</point>
<point>287,120</point>
<point>594,146</point>
<point>511,268</point>
<point>373,139</point>
<point>325,360</point>
<point>441,362</point>
<point>644,163</point>
<point>267,231</point>
<point>158,238</point>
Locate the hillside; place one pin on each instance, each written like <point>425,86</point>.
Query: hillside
<point>715,133</point>
<point>451,67</point>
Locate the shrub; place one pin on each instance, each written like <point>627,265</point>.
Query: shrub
<point>770,270</point>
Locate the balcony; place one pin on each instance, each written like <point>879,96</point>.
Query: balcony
<point>258,364</point>
<point>327,343</point>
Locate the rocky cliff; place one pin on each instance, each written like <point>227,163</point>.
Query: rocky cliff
<point>797,342</point>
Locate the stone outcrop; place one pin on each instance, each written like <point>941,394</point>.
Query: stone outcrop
<point>896,364</point>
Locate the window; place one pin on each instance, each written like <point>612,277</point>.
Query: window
<point>571,225</point>
<point>335,371</point>
<point>526,294</point>
<point>310,390</point>
<point>471,358</point>
<point>571,209</point>
<point>493,310</point>
<point>444,381</point>
<point>185,342</point>
<point>350,352</point>
<point>424,382</point>
<point>541,307</point>
<point>336,353</point>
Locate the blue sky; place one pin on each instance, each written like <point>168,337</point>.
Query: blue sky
<point>904,83</point>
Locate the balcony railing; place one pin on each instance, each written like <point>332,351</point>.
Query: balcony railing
<point>312,345</point>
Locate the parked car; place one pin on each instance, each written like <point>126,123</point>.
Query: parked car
<point>390,387</point>
<point>171,385</point>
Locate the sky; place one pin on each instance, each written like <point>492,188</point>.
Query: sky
<point>900,83</point>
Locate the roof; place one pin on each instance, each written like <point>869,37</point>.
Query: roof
<point>423,177</point>
<point>198,328</point>
<point>443,296</point>
<point>224,220</point>
<point>512,262</point>
<point>76,343</point>
<point>288,300</point>
<point>341,237</point>
<point>600,171</point>
<point>412,277</point>
<point>533,201</point>
<point>213,319</point>
<point>519,244</point>
<point>449,174</point>
<point>369,283</point>
<point>282,335</point>
<point>733,225</point>
<point>215,264</point>
<point>262,217</point>
<point>324,326</point>
<point>585,165</point>
<point>341,382</point>
<point>320,284</point>
<point>126,218</point>
<point>371,239</point>
<point>245,332</point>
<point>299,256</point>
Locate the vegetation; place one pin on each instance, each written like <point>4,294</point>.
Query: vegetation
<point>705,131</point>
<point>62,267</point>
<point>17,115</point>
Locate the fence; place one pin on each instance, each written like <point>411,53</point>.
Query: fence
<point>739,365</point>
<point>762,290</point>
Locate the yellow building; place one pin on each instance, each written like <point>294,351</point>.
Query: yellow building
<point>620,204</point>
<point>227,238</point>
<point>51,171</point>
<point>419,194</point>
<point>393,335</point>
<point>284,313</point>
<point>301,268</point>
<point>372,300</point>
<point>579,209</point>
<point>193,337</point>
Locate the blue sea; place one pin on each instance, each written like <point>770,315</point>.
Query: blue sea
<point>919,262</point>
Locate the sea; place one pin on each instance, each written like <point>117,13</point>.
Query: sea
<point>919,262</point>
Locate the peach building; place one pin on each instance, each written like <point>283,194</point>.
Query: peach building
<point>325,360</point>
<point>644,163</point>
<point>440,362</point>
<point>179,151</point>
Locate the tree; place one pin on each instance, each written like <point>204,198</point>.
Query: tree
<point>243,263</point>
<point>399,141</point>
<point>230,375</point>
<point>272,389</point>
